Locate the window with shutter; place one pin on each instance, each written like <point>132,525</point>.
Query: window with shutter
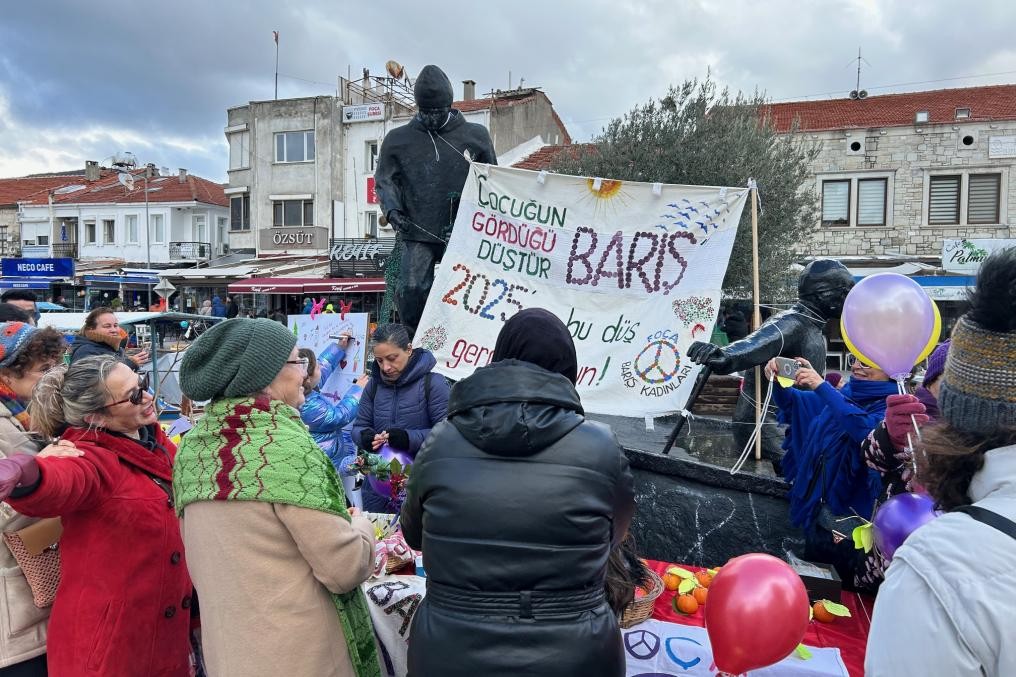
<point>871,202</point>
<point>983,192</point>
<point>944,200</point>
<point>836,203</point>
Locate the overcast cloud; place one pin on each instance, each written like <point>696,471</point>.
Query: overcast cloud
<point>83,80</point>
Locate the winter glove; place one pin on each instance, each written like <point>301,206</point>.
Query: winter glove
<point>18,470</point>
<point>899,409</point>
<point>367,440</point>
<point>398,439</point>
<point>398,221</point>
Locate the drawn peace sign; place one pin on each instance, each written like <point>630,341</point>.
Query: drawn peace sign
<point>658,362</point>
<point>641,644</point>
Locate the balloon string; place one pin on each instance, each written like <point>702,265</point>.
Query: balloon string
<point>917,431</point>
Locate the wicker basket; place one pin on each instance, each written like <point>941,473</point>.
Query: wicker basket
<point>641,608</point>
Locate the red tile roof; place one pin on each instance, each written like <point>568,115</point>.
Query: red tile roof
<point>13,191</point>
<point>545,157</point>
<point>996,102</point>
<point>109,190</point>
<point>500,99</point>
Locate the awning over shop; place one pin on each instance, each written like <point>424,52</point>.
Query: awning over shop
<point>113,281</point>
<point>946,287</point>
<point>27,282</point>
<point>307,285</point>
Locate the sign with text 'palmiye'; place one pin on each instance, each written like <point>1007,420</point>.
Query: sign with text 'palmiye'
<point>634,269</point>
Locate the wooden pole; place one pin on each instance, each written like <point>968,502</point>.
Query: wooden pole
<point>756,317</point>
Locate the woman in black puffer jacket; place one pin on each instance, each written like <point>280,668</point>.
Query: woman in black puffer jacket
<point>516,501</point>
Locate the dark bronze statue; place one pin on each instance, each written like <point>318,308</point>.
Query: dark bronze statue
<point>796,332</point>
<point>421,170</point>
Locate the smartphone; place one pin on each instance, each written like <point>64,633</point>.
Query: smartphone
<point>787,367</point>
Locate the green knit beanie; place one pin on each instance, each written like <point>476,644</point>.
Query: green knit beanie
<point>235,358</point>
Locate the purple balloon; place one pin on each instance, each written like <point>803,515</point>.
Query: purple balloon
<point>890,319</point>
<point>387,453</point>
<point>898,518</point>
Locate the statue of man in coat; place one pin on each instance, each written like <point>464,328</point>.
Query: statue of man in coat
<point>421,170</point>
<point>796,332</point>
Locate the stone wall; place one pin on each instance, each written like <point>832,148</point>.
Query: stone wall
<point>907,156</point>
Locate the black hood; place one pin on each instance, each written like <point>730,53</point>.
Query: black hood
<point>514,408</point>
<point>433,89</point>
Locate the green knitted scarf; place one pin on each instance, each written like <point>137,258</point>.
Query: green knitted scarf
<point>246,449</point>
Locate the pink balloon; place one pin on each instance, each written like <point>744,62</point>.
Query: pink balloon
<point>890,319</point>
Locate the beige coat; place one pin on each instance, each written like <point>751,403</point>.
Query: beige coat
<point>22,624</point>
<point>263,572</point>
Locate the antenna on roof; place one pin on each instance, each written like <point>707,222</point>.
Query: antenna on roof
<point>857,92</point>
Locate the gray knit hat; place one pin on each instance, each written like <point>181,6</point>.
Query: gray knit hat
<point>979,383</point>
<point>235,358</point>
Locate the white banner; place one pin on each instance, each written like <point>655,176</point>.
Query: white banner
<point>634,269</point>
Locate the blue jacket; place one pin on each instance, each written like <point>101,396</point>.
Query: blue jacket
<point>402,404</point>
<point>824,462</point>
<point>218,307</point>
<point>326,420</point>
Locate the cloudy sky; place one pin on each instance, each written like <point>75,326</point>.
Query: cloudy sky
<point>83,80</point>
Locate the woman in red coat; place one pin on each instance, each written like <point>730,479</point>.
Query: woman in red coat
<point>123,605</point>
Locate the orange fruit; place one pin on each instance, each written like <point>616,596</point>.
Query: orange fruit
<point>686,604</point>
<point>821,614</point>
<point>703,578</point>
<point>671,581</point>
<point>700,595</point>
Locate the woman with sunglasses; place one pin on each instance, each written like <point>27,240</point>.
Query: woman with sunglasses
<point>823,461</point>
<point>26,353</point>
<point>274,553</point>
<point>123,605</point>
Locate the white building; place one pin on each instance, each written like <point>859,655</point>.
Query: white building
<point>97,217</point>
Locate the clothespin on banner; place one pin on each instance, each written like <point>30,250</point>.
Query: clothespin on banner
<point>650,423</point>
<point>657,189</point>
<point>597,184</point>
<point>723,192</point>
<point>541,178</point>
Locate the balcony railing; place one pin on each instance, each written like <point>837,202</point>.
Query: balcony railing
<point>190,251</point>
<point>65,250</point>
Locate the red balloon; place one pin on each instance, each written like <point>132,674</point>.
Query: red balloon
<point>757,613</point>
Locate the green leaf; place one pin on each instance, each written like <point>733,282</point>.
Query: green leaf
<point>686,586</point>
<point>863,537</point>
<point>683,573</point>
<point>836,609</point>
<point>802,652</point>
<point>395,466</point>
<point>712,572</point>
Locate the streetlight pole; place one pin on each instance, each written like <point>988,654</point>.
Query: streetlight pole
<point>148,236</point>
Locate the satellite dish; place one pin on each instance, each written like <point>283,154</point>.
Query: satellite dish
<point>853,94</point>
<point>395,69</point>
<point>862,94</point>
<point>126,179</point>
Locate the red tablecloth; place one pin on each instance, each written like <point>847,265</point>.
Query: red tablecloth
<point>849,635</point>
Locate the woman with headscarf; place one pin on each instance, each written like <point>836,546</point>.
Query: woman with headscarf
<point>517,587</point>
<point>945,607</point>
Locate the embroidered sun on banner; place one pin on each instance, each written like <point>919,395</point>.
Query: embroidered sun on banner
<point>634,270</point>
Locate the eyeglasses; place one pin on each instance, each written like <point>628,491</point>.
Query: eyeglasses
<point>852,360</point>
<point>303,362</point>
<point>136,395</point>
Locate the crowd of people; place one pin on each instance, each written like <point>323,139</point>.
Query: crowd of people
<point>516,499</point>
